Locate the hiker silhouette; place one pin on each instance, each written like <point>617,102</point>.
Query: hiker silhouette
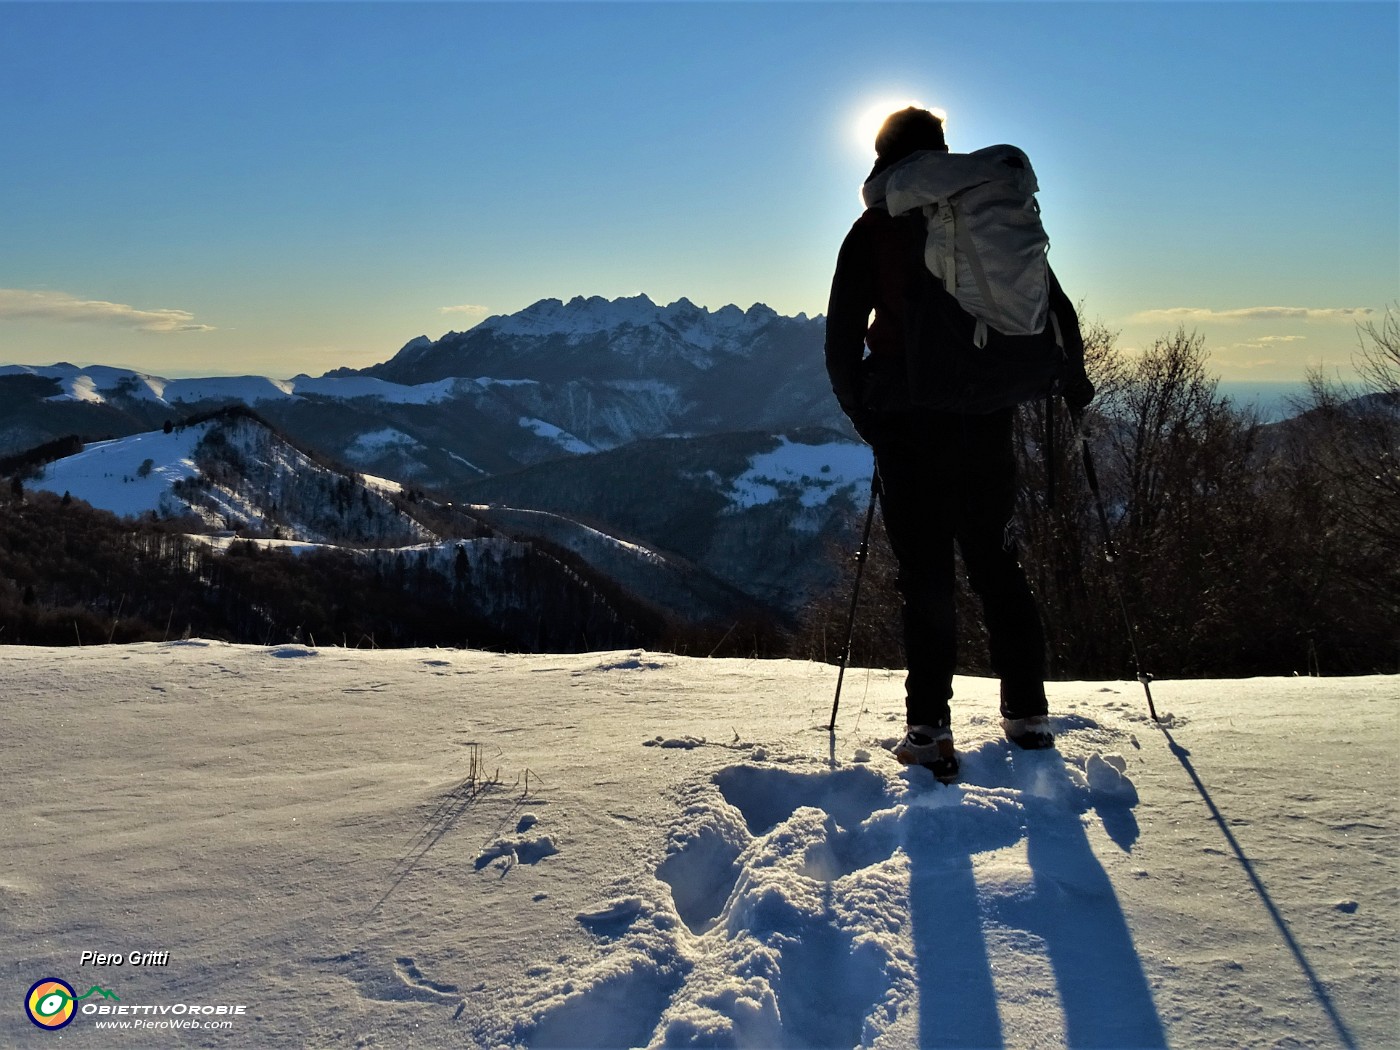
<point>933,390</point>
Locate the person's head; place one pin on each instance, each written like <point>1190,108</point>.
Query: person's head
<point>907,131</point>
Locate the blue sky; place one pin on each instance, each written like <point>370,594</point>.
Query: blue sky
<point>277,188</point>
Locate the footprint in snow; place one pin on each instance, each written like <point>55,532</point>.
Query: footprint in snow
<point>399,980</point>
<point>682,742</point>
<point>634,662</point>
<point>616,999</point>
<point>526,846</point>
<point>292,652</point>
<point>796,912</point>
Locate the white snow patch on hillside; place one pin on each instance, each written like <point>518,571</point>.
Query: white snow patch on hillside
<point>447,848</point>
<point>568,442</point>
<point>811,473</point>
<point>247,389</point>
<point>347,387</point>
<point>439,550</point>
<point>393,488</point>
<point>78,388</point>
<point>375,443</point>
<point>127,476</point>
<point>89,383</point>
<point>224,541</point>
<point>464,462</point>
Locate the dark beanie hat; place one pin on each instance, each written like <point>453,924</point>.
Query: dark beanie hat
<point>905,132</point>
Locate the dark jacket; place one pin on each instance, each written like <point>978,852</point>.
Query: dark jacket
<point>875,274</point>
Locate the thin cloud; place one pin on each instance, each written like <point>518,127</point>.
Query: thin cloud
<point>1184,314</point>
<point>472,311</point>
<point>1267,342</point>
<point>18,304</point>
<point>1246,366</point>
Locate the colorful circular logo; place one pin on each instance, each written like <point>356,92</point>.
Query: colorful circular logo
<point>49,1003</point>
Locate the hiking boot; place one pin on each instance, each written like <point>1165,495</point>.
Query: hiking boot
<point>932,748</point>
<point>1032,734</point>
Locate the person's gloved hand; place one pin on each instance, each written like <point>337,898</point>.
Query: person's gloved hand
<point>1078,392</point>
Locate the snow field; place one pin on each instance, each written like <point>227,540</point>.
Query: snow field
<point>448,848</point>
<point>136,475</point>
<point>110,475</point>
<point>812,473</point>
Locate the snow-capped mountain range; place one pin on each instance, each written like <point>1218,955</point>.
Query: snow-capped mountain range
<point>554,379</point>
<point>591,338</point>
<point>554,382</point>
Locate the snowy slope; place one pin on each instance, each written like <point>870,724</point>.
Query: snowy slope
<point>238,474</point>
<point>99,383</point>
<point>452,848</point>
<point>112,475</point>
<point>811,473</point>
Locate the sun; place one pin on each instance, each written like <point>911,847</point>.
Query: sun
<point>868,126</point>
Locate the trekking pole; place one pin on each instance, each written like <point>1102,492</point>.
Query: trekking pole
<point>861,555</point>
<point>1111,556</point>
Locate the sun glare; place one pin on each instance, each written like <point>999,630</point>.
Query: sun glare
<point>868,126</point>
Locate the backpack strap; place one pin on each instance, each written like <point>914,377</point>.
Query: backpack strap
<point>941,210</point>
<point>979,274</point>
<point>956,238</point>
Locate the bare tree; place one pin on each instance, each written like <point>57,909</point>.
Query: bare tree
<point>1348,448</point>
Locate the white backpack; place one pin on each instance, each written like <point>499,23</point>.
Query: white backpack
<point>985,239</point>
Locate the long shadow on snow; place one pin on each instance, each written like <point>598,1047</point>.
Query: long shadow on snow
<point>957,999</point>
<point>1319,989</point>
<point>1073,909</point>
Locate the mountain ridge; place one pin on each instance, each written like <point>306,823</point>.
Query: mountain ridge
<point>556,379</point>
<point>590,339</point>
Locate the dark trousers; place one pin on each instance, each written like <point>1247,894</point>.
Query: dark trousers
<point>951,479</point>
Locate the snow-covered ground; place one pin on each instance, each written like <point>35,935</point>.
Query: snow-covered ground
<point>454,848</point>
